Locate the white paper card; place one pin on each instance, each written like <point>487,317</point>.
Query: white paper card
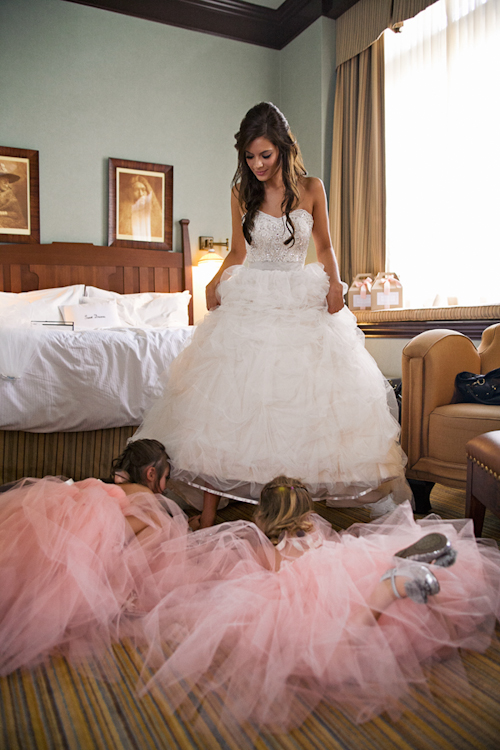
<point>362,302</point>
<point>96,315</point>
<point>391,299</point>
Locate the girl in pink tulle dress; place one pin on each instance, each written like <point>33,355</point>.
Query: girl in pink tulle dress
<point>77,559</point>
<point>301,614</point>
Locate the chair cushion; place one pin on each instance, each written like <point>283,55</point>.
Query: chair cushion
<point>485,449</point>
<point>452,426</point>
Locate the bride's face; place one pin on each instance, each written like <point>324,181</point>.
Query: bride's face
<point>263,159</point>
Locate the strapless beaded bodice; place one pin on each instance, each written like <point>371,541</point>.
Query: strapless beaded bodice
<point>268,237</point>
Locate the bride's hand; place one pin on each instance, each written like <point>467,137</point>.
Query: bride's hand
<point>211,296</point>
<point>335,297</point>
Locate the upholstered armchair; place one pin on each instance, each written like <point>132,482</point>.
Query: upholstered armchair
<point>434,431</point>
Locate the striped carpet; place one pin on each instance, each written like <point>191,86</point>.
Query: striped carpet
<point>57,707</point>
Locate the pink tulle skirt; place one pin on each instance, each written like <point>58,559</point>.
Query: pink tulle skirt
<point>219,614</point>
<point>271,644</point>
<point>72,571</point>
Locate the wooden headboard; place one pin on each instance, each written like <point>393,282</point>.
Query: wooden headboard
<point>25,267</point>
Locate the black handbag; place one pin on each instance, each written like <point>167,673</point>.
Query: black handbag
<point>477,389</point>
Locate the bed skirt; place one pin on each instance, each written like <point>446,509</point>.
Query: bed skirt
<point>75,455</point>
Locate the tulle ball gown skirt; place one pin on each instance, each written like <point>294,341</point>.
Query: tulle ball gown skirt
<point>74,577</point>
<point>273,384</point>
<point>268,645</point>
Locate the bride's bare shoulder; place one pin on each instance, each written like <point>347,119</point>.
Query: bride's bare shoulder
<point>312,186</point>
<point>236,206</point>
<point>312,190</point>
<point>235,192</point>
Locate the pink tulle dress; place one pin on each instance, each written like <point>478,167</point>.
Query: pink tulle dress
<point>267,632</point>
<point>72,571</point>
<point>269,640</point>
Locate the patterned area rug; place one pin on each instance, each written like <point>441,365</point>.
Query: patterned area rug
<point>56,707</point>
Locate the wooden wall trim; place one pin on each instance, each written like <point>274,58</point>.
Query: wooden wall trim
<point>86,254</point>
<point>407,329</point>
<point>232,19</point>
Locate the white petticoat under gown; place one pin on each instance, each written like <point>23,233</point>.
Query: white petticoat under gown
<point>272,384</point>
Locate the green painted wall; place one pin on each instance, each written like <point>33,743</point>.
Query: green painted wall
<point>81,85</point>
<point>307,91</point>
<point>301,94</point>
<point>307,85</point>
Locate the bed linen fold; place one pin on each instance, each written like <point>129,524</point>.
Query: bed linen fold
<point>90,380</point>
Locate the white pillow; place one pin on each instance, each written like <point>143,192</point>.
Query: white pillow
<point>145,309</point>
<point>13,312</point>
<point>42,304</point>
<point>95,291</point>
<point>93,315</point>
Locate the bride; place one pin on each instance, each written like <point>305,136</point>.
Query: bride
<point>277,379</point>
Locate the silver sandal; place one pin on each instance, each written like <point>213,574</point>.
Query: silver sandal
<point>421,582</point>
<point>431,548</point>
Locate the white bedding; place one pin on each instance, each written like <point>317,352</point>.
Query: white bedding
<point>90,380</point>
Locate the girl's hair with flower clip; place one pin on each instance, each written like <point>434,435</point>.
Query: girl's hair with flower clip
<point>138,456</point>
<point>285,506</point>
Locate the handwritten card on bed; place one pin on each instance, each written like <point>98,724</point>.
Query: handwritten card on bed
<point>92,316</point>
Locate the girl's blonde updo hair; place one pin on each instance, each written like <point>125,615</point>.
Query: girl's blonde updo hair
<point>285,506</point>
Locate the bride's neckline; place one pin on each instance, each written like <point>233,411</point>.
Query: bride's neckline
<point>278,218</point>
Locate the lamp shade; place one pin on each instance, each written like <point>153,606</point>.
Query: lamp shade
<point>211,257</point>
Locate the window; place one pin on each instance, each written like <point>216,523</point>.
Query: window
<point>442,83</point>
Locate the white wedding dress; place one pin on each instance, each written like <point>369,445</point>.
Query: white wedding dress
<point>272,383</point>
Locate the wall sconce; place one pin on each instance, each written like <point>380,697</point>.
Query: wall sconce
<point>207,244</point>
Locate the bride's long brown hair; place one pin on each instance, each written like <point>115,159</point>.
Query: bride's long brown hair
<point>266,121</point>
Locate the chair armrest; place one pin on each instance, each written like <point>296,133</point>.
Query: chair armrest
<point>431,361</point>
<point>489,349</point>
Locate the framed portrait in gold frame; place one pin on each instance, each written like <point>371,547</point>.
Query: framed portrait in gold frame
<point>140,204</point>
<point>19,195</point>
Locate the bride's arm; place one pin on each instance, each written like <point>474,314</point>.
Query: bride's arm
<point>323,245</point>
<point>236,255</point>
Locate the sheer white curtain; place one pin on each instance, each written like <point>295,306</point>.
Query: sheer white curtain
<point>442,92</point>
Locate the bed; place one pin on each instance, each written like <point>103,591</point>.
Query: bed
<point>91,418</point>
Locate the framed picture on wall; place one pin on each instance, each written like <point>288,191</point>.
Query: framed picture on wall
<point>140,204</point>
<point>19,195</point>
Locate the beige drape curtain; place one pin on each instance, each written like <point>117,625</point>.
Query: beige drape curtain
<point>365,21</point>
<point>357,188</point>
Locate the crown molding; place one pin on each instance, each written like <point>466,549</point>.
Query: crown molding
<point>231,19</point>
